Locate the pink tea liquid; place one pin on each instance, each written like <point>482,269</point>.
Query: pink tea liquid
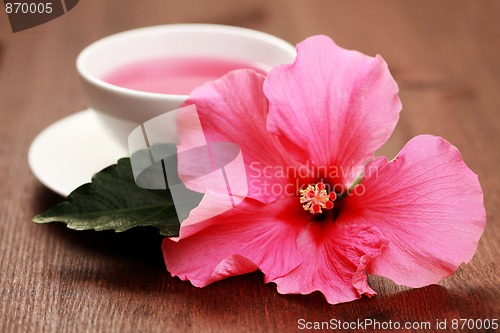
<point>174,75</point>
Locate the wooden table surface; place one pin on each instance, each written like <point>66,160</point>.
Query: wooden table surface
<point>445,55</point>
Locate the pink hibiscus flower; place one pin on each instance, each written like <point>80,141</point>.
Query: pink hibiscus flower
<point>320,210</point>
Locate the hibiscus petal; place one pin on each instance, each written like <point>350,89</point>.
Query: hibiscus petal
<point>335,257</point>
<point>232,109</point>
<point>252,235</point>
<point>332,106</point>
<point>428,204</point>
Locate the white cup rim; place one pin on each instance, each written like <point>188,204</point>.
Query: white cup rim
<point>182,27</point>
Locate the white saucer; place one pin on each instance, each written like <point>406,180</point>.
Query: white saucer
<point>69,152</point>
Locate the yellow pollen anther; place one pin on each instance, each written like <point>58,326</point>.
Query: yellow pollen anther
<point>315,198</point>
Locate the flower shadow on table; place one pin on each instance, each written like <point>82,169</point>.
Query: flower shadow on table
<point>247,296</point>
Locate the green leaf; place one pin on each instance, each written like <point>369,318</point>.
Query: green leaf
<point>113,201</point>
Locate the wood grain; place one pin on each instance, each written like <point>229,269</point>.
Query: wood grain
<point>445,57</point>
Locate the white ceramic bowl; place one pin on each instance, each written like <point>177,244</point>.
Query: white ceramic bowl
<point>123,109</point>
